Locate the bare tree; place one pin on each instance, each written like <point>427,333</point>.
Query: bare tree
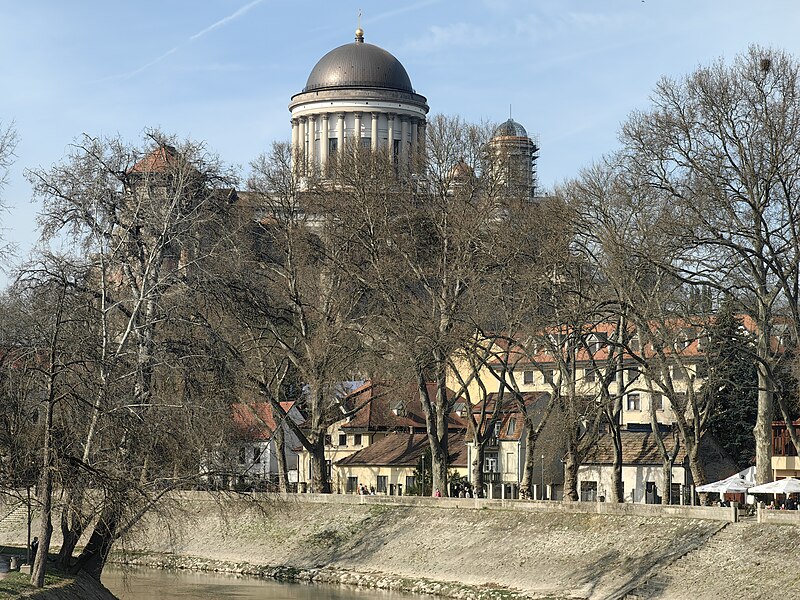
<point>423,246</point>
<point>147,220</point>
<point>299,314</point>
<point>723,147</point>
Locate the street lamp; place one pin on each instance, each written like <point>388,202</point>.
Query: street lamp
<point>543,498</point>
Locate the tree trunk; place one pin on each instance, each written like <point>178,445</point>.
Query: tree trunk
<point>526,487</point>
<point>477,463</point>
<point>93,558</point>
<point>571,476</point>
<point>763,428</point>
<point>71,528</point>
<point>617,489</point>
<point>45,499</point>
<point>283,469</point>
<point>320,482</point>
<point>666,474</point>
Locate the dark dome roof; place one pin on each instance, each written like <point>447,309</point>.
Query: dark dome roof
<point>358,65</point>
<point>510,128</point>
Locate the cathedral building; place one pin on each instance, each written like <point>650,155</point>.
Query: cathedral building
<point>360,94</point>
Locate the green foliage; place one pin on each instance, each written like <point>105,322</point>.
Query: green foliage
<point>732,378</point>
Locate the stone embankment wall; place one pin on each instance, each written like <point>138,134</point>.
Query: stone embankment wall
<point>466,549</point>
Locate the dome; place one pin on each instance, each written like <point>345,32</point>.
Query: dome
<point>510,129</point>
<point>358,65</point>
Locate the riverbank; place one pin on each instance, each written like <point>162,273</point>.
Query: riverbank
<point>454,549</point>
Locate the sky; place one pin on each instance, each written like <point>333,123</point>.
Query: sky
<point>223,71</point>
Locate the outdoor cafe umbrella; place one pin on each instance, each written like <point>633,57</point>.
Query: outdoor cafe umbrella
<point>734,484</point>
<point>790,485</point>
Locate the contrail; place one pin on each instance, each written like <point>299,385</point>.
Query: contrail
<point>224,20</point>
<point>199,34</point>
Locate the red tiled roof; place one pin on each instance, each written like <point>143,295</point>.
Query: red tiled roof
<point>509,412</point>
<point>159,160</point>
<point>255,421</point>
<point>388,407</point>
<point>403,450</point>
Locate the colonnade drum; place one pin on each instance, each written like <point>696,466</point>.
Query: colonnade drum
<point>356,94</point>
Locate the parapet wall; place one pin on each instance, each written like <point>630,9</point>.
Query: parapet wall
<point>711,513</point>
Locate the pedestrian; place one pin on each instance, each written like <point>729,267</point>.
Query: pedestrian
<point>372,490</point>
<point>34,549</point>
<point>437,493</point>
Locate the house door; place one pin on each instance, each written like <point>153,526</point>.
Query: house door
<point>651,493</point>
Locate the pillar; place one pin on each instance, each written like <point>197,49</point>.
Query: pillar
<point>404,141</point>
<point>323,144</point>
<point>414,138</point>
<point>312,134</point>
<point>357,128</point>
<point>340,132</point>
<point>421,137</point>
<point>390,137</point>
<point>301,146</point>
<point>374,132</point>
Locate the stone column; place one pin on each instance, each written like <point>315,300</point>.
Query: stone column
<point>390,137</point>
<point>312,134</point>
<point>404,141</point>
<point>414,138</point>
<point>294,136</point>
<point>340,132</point>
<point>421,136</point>
<point>374,132</point>
<point>301,145</point>
<point>357,128</point>
<point>323,144</point>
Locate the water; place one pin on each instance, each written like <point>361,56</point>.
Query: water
<point>155,584</point>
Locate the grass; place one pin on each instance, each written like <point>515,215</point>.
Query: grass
<point>16,584</point>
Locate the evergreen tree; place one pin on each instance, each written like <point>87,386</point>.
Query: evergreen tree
<point>733,378</point>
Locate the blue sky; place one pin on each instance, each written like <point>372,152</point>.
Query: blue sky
<point>223,71</point>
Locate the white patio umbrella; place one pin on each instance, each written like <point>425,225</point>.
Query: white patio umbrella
<point>790,485</point>
<point>734,484</point>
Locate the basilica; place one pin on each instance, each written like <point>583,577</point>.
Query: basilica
<point>361,94</point>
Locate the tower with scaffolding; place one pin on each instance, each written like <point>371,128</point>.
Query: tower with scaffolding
<point>514,155</point>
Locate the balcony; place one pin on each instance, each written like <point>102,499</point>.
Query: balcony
<point>492,477</point>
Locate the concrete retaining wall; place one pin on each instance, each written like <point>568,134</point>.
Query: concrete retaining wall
<point>711,513</point>
<point>779,517</point>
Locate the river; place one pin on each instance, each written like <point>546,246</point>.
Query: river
<point>154,584</point>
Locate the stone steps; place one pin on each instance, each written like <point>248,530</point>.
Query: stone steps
<point>14,518</point>
<point>683,565</point>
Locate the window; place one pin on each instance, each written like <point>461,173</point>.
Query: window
<point>333,144</point>
<point>657,401</point>
<point>632,373</point>
<point>512,426</point>
<point>589,374</point>
<point>490,463</point>
<point>634,402</point>
<point>352,485</point>
<point>343,439</point>
<point>256,455</point>
<point>588,491</point>
<point>357,439</point>
<point>497,429</point>
<point>328,441</point>
<point>549,376</point>
<point>510,462</point>
<point>634,344</point>
<point>242,455</point>
<point>411,482</point>
<point>678,373</point>
<point>383,483</point>
<point>395,149</point>
<point>527,377</point>
<point>366,142</point>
